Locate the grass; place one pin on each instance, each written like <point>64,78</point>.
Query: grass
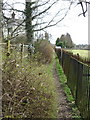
<point>82,53</point>
<point>70,99</point>
<point>28,88</point>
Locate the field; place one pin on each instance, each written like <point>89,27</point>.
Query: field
<point>82,53</point>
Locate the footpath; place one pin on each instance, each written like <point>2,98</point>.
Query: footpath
<point>64,108</point>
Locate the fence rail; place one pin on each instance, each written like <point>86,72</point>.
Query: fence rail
<point>78,80</point>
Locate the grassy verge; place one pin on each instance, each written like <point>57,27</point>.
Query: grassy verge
<point>28,88</point>
<point>70,99</point>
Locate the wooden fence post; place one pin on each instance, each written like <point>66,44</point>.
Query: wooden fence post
<point>22,50</point>
<point>8,47</point>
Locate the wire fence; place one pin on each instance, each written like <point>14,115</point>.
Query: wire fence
<point>78,80</point>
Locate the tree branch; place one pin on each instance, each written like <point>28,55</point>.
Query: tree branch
<point>48,25</point>
<point>83,11</point>
<point>44,10</point>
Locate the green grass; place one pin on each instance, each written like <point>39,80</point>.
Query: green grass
<point>63,81</point>
<point>82,53</point>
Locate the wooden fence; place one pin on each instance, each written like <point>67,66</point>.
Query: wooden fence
<point>78,80</point>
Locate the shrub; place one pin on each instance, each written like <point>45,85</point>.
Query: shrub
<point>45,50</point>
<point>19,39</point>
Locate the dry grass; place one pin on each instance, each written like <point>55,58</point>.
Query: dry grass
<point>28,88</point>
<point>45,49</point>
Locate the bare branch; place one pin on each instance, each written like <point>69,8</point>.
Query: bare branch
<point>42,12</point>
<point>83,10</point>
<point>17,27</point>
<point>50,25</point>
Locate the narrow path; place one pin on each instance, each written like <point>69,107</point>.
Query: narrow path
<point>64,110</point>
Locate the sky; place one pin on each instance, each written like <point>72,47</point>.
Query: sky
<point>76,26</point>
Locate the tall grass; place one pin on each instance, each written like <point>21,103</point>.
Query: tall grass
<point>28,87</point>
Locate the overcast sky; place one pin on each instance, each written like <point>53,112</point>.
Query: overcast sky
<point>76,26</point>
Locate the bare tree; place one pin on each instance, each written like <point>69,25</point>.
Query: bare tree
<point>11,23</point>
<point>37,15</point>
<point>37,19</point>
<point>82,3</point>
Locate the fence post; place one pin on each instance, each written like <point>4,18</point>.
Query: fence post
<point>61,55</point>
<point>8,47</point>
<point>22,50</point>
<point>88,94</point>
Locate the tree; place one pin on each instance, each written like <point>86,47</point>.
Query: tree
<point>0,20</point>
<point>29,26</point>
<point>35,14</point>
<point>46,36</point>
<point>83,4</point>
<point>0,58</point>
<point>84,10</point>
<point>68,41</point>
<point>57,41</point>
<point>65,41</point>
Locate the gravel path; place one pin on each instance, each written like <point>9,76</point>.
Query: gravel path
<point>64,110</point>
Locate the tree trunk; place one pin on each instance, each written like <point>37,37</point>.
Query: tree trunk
<point>29,28</point>
<point>0,59</point>
<point>89,25</point>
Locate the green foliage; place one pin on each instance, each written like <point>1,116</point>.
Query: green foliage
<point>61,44</point>
<point>57,41</point>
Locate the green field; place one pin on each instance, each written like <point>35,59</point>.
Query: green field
<point>82,53</point>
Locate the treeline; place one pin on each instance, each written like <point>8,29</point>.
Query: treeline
<point>65,41</point>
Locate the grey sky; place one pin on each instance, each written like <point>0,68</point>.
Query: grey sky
<point>76,26</point>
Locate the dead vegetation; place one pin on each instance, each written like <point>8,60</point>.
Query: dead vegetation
<point>28,87</point>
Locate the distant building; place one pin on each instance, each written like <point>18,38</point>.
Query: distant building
<point>9,26</point>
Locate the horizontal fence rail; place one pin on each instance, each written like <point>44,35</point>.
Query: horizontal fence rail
<point>78,80</point>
